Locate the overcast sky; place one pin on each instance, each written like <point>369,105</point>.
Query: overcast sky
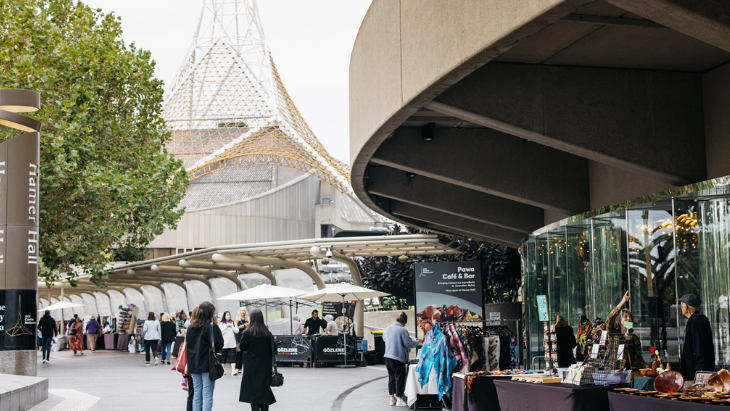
<point>310,41</point>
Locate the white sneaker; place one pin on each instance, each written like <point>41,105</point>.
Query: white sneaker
<point>401,403</point>
<point>44,361</point>
<point>392,400</point>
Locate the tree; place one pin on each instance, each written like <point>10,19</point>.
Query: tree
<point>501,270</point>
<point>108,186</point>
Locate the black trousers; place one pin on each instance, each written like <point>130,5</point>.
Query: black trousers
<point>191,392</point>
<point>396,377</point>
<point>259,407</point>
<point>240,359</point>
<point>150,345</point>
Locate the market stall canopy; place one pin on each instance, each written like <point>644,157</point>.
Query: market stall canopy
<point>263,292</point>
<point>60,305</point>
<point>341,291</point>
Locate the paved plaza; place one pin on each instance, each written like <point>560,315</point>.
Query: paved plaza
<point>114,380</point>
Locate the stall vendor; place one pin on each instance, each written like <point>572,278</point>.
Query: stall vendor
<point>617,331</point>
<point>698,350</point>
<point>314,323</point>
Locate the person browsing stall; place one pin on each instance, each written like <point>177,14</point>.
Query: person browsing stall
<point>397,344</point>
<point>314,324</point>
<point>698,350</point>
<point>616,327</point>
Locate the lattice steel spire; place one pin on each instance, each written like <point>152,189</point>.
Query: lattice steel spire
<point>228,107</point>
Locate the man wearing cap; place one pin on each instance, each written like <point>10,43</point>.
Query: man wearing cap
<point>698,350</point>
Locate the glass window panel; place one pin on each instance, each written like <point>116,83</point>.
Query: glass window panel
<point>705,230</point>
<point>580,273</point>
<point>558,299</point>
<point>609,256</point>
<point>652,269</point>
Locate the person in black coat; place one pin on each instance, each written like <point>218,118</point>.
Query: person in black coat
<point>197,348</point>
<point>257,341</point>
<point>47,325</point>
<point>168,331</point>
<point>698,350</point>
<point>566,342</point>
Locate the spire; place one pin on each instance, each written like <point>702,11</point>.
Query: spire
<point>227,106</point>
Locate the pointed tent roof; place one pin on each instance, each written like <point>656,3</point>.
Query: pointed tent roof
<point>228,106</point>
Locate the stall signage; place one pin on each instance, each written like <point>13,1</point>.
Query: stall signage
<point>293,348</point>
<point>332,349</point>
<point>337,310</point>
<point>542,308</point>
<point>448,291</point>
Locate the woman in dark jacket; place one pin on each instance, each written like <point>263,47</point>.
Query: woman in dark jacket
<point>197,348</point>
<point>256,382</point>
<point>168,331</point>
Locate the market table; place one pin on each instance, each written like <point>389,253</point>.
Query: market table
<point>643,383</point>
<point>621,402</point>
<point>483,394</point>
<point>519,396</point>
<point>122,342</point>
<point>110,341</point>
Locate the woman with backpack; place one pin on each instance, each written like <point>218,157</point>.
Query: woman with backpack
<point>258,343</point>
<point>198,345</point>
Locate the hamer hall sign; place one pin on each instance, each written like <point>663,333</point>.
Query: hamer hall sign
<point>19,214</point>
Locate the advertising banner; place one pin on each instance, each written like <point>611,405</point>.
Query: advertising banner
<point>332,349</point>
<point>18,319</point>
<point>448,291</point>
<point>293,348</point>
<point>335,309</point>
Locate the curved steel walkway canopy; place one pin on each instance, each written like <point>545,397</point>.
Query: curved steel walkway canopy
<point>231,261</point>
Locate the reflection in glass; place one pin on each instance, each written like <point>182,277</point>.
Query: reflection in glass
<point>580,278</point>
<point>558,274</point>
<point>609,255</point>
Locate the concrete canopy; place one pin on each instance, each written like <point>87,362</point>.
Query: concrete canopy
<point>491,119</point>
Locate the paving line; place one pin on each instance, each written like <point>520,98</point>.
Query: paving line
<point>74,400</point>
<point>337,405</point>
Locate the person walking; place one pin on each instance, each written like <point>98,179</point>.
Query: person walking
<point>188,377</point>
<point>152,336</point>
<point>698,349</point>
<point>397,344</point>
<point>93,330</point>
<point>229,331</point>
<point>168,331</point>
<point>258,343</point>
<point>76,332</point>
<point>241,323</point>
<point>198,347</point>
<point>47,327</point>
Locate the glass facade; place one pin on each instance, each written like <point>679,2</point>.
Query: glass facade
<point>676,243</point>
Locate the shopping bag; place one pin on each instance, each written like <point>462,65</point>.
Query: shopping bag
<point>181,365</point>
<point>185,384</point>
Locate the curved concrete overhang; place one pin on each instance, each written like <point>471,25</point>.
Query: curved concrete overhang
<point>494,118</point>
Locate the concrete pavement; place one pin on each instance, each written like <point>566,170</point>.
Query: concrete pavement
<point>114,380</point>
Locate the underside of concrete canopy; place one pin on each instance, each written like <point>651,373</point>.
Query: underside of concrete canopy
<point>494,118</point>
<point>232,261</point>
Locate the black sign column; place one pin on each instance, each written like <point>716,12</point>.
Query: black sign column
<point>19,234</point>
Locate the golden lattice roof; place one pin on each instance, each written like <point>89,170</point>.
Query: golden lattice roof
<point>228,106</point>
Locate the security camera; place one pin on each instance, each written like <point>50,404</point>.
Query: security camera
<point>329,253</point>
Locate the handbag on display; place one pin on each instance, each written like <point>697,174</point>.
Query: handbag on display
<point>215,369</point>
<point>181,364</point>
<point>277,379</point>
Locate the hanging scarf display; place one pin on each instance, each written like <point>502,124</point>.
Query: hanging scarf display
<point>436,355</point>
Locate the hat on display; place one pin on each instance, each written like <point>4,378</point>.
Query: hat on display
<point>691,300</point>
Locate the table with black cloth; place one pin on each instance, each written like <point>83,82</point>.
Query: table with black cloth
<point>176,346</point>
<point>643,383</point>
<point>621,402</point>
<point>100,343</point>
<point>110,341</point>
<point>483,394</point>
<point>526,396</point>
<point>122,342</point>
